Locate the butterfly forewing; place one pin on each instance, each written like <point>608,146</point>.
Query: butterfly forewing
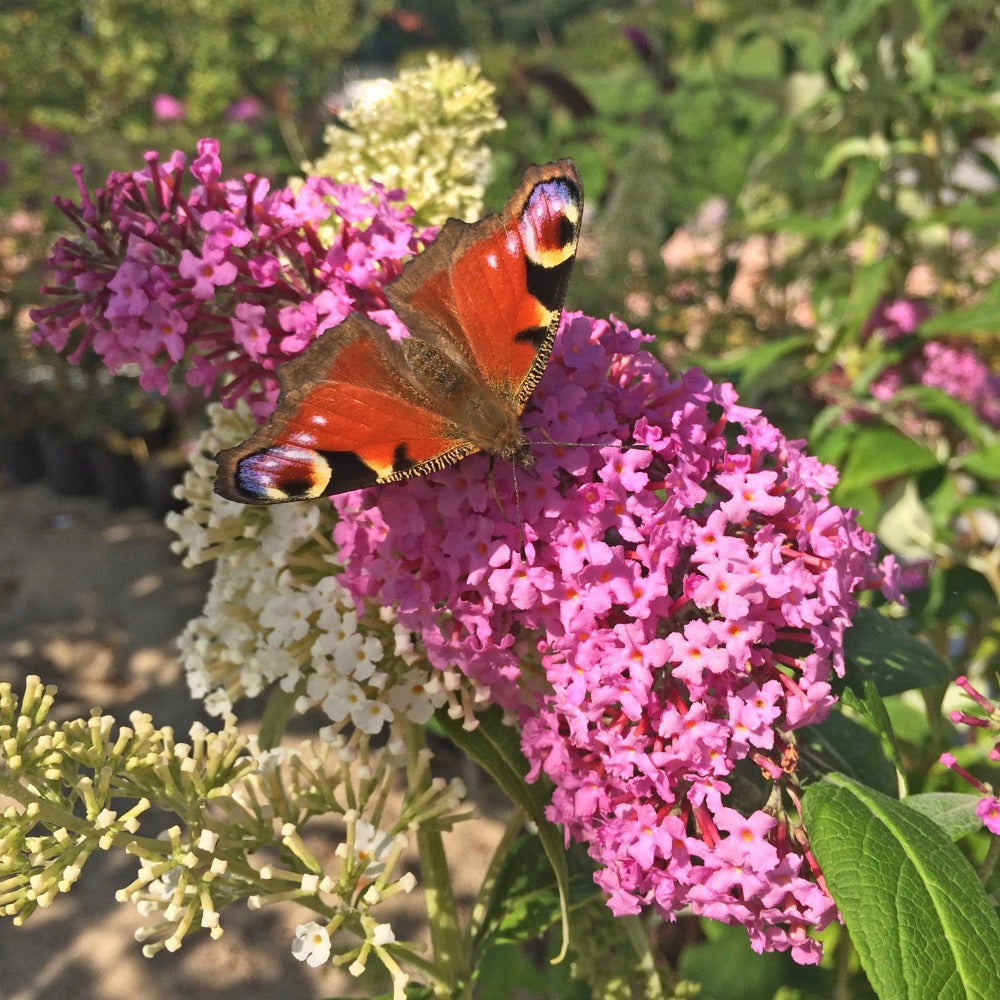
<point>482,303</point>
<point>494,290</point>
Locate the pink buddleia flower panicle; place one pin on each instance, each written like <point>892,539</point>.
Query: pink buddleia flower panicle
<point>675,611</point>
<point>229,277</point>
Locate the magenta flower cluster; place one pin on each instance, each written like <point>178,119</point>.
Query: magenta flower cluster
<point>231,276</point>
<point>957,370</point>
<point>677,612</point>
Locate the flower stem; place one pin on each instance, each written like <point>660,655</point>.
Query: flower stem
<point>451,952</point>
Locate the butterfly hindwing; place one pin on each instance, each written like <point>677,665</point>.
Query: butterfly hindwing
<point>349,416</point>
<point>482,305</point>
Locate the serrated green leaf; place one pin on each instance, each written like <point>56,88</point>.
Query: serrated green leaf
<point>954,812</point>
<point>880,650</point>
<point>497,750</point>
<point>916,912</point>
<point>880,453</point>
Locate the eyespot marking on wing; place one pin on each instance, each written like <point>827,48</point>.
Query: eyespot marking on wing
<point>550,222</point>
<point>283,472</point>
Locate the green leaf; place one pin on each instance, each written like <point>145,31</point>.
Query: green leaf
<point>984,463</point>
<point>916,912</point>
<point>274,718</point>
<point>524,902</point>
<point>412,991</point>
<point>868,284</point>
<point>510,970</point>
<point>862,176</point>
<point>940,404</point>
<point>727,969</point>
<point>983,317</point>
<point>496,748</point>
<point>881,453</point>
<point>880,650</point>
<point>865,500</point>
<point>871,707</point>
<point>846,149</point>
<point>954,812</point>
<point>758,360</point>
<point>829,438</point>
<point>843,20</point>
<point>840,743</point>
<point>906,525</point>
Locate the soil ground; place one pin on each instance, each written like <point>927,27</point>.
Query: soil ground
<point>92,602</point>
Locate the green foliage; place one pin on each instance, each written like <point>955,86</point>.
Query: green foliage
<point>912,902</point>
<point>79,79</point>
<point>880,650</point>
<point>103,61</point>
<point>495,748</point>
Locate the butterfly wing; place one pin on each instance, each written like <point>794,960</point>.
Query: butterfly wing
<point>350,415</point>
<point>489,295</point>
<point>482,304</point>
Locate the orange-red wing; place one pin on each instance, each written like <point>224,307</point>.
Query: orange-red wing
<point>349,417</point>
<point>490,294</point>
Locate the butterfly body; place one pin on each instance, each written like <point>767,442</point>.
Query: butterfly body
<point>482,305</point>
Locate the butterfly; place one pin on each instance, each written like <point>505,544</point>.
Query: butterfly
<point>482,304</point>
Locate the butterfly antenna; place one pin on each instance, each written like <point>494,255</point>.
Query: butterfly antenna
<point>624,445</point>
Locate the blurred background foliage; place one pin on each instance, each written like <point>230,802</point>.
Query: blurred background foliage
<point>763,181</point>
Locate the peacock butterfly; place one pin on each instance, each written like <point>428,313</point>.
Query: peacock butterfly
<point>482,305</point>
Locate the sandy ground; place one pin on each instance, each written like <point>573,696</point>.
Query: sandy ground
<point>92,602</point>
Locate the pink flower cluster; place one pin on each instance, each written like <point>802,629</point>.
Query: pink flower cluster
<point>957,370</point>
<point>988,809</point>
<point>231,276</point>
<point>662,605</point>
<point>674,614</point>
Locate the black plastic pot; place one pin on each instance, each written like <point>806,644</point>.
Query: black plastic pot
<point>118,477</point>
<point>68,468</point>
<point>21,457</point>
<point>160,475</point>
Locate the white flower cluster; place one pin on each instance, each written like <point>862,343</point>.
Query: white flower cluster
<point>424,136</point>
<point>189,871</point>
<point>275,612</point>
